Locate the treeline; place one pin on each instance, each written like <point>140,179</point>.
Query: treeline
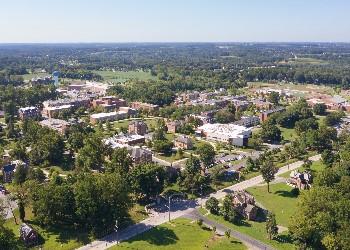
<point>311,75</point>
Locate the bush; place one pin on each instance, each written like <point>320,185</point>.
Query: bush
<point>200,222</point>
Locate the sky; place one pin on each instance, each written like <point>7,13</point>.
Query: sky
<point>60,21</point>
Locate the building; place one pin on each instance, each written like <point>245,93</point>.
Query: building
<point>109,103</point>
<point>248,121</point>
<point>137,127</point>
<point>266,114</point>
<point>131,112</point>
<point>183,142</point>
<point>300,180</point>
<point>144,106</point>
<point>61,126</point>
<point>28,235</point>
<point>262,105</point>
<point>229,133</point>
<point>173,126</point>
<point>140,155</point>
<point>244,204</point>
<point>111,116</point>
<point>2,114</point>
<point>29,113</point>
<point>8,172</point>
<point>130,139</point>
<point>53,108</point>
<point>55,76</point>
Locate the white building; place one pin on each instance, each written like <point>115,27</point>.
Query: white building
<point>229,133</point>
<point>111,116</point>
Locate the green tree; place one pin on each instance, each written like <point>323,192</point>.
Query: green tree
<point>147,180</point>
<point>212,204</point>
<point>268,171</point>
<point>271,226</point>
<point>120,162</point>
<point>319,109</point>
<point>207,155</point>
<point>270,132</point>
<point>20,174</point>
<point>274,97</point>
<point>92,155</point>
<point>227,210</point>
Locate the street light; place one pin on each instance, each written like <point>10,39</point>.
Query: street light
<point>116,230</point>
<point>169,206</point>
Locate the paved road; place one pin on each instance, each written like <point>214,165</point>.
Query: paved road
<point>250,242</point>
<point>186,208</point>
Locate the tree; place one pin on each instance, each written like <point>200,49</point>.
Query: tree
<point>255,141</point>
<point>92,155</point>
<point>274,97</point>
<point>270,132</point>
<point>120,162</point>
<point>162,146</point>
<point>333,118</point>
<point>207,155</point>
<point>224,116</point>
<point>20,174</point>
<point>328,157</point>
<point>268,171</point>
<point>216,174</point>
<point>271,226</point>
<point>305,125</point>
<point>227,210</point>
<point>250,164</point>
<point>147,180</point>
<point>212,204</point>
<point>7,237</point>
<point>319,109</point>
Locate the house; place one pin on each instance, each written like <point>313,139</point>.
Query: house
<point>300,180</point>
<point>173,126</point>
<point>137,127</point>
<point>183,142</point>
<point>29,113</point>
<point>266,114</point>
<point>244,204</point>
<point>140,155</point>
<point>2,114</point>
<point>28,235</point>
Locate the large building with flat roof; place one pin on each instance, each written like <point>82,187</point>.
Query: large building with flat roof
<point>229,133</point>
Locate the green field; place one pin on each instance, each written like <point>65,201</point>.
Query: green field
<point>28,77</point>
<point>257,230</point>
<point>288,134</point>
<point>306,60</point>
<point>180,234</point>
<point>280,201</point>
<point>123,76</point>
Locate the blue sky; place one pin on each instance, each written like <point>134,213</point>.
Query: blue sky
<point>174,20</point>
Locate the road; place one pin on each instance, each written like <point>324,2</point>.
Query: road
<point>186,208</point>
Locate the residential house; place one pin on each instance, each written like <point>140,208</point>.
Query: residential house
<point>244,204</point>
<point>183,142</point>
<point>173,126</point>
<point>140,155</point>
<point>8,172</point>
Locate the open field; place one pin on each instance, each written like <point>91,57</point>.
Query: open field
<point>123,76</point>
<point>28,77</point>
<point>257,231</point>
<point>300,90</point>
<point>280,200</point>
<point>288,134</point>
<point>305,60</point>
<point>180,234</point>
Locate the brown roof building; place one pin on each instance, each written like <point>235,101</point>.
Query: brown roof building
<point>137,127</point>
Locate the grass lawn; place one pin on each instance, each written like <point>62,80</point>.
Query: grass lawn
<point>123,76</point>
<point>30,76</point>
<point>288,133</point>
<point>57,238</point>
<point>280,200</point>
<point>180,234</point>
<point>257,230</point>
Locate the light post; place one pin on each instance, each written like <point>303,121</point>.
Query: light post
<point>169,203</point>
<point>116,230</point>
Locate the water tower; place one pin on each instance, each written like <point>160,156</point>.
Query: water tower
<point>55,75</point>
